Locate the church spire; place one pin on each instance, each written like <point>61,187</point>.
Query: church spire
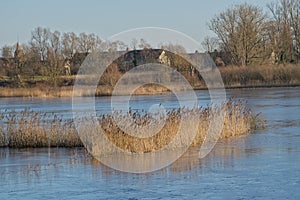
<point>18,51</point>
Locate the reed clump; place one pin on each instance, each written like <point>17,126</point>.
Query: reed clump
<point>238,120</point>
<point>34,129</point>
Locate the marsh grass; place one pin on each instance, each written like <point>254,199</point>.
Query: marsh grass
<point>34,129</point>
<point>233,76</point>
<point>261,75</point>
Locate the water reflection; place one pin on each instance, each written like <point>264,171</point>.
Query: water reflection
<point>264,163</point>
<point>29,163</point>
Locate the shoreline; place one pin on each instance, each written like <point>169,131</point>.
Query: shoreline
<point>234,77</point>
<point>67,91</point>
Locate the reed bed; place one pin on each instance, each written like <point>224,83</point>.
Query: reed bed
<point>34,129</point>
<point>261,75</point>
<point>238,121</point>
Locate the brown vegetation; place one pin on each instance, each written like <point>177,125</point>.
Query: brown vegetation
<point>249,35</point>
<point>233,76</point>
<point>238,121</point>
<point>263,76</point>
<point>34,129</point>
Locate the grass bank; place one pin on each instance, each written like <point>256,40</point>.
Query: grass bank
<point>233,77</point>
<point>33,129</point>
<point>261,76</point>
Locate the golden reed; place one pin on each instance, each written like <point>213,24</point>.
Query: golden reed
<point>34,129</point>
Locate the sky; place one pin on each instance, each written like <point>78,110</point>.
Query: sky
<point>108,17</point>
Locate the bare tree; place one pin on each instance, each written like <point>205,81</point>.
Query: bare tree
<point>54,57</point>
<point>40,41</point>
<point>174,48</point>
<point>241,30</point>
<point>31,65</point>
<point>294,11</point>
<point>113,46</point>
<point>210,43</point>
<point>134,43</point>
<point>122,46</point>
<point>286,28</point>
<point>88,42</point>
<point>144,44</point>
<point>83,43</point>
<point>117,45</point>
<point>69,44</point>
<point>7,51</point>
<point>104,46</point>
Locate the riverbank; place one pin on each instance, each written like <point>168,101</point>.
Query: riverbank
<point>67,91</point>
<point>260,76</point>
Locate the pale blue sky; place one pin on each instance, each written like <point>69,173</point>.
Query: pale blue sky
<point>105,18</point>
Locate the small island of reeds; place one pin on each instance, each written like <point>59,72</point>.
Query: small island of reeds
<point>30,129</point>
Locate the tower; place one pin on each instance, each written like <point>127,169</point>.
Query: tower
<point>18,55</point>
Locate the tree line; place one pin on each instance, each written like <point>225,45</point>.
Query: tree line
<point>48,51</point>
<point>244,35</point>
<point>249,35</point>
<point>45,43</point>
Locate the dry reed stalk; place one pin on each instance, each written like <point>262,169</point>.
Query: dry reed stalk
<point>260,75</point>
<point>35,129</point>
